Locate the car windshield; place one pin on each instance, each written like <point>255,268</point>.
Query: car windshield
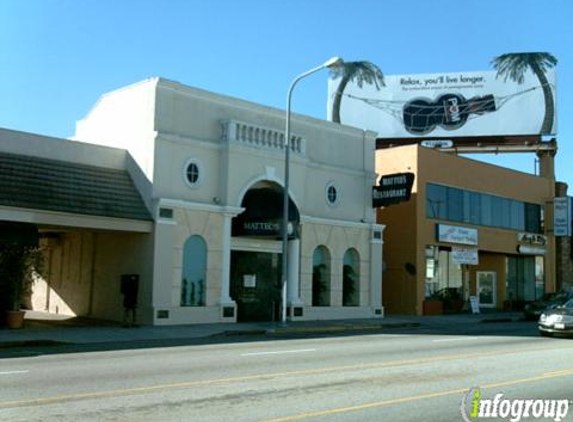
<point>568,304</point>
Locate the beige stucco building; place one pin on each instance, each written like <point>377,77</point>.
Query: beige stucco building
<point>470,229</point>
<point>209,173</point>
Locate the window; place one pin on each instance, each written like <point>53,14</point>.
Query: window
<point>331,194</point>
<point>443,278</point>
<point>193,173</point>
<point>453,204</point>
<point>532,218</point>
<point>194,271</point>
<point>436,201</point>
<point>351,278</point>
<point>321,277</point>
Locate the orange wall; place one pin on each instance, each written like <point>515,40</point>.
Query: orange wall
<point>409,231</point>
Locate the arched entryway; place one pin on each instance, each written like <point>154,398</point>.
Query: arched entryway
<point>256,252</point>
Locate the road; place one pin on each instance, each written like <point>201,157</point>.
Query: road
<point>416,375</point>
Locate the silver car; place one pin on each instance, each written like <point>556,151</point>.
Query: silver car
<point>557,321</point>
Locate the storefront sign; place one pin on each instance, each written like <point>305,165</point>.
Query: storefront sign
<point>392,189</point>
<point>532,239</point>
<point>562,216</point>
<point>467,256</point>
<point>456,234</point>
<point>474,304</point>
<point>531,250</point>
<point>437,143</point>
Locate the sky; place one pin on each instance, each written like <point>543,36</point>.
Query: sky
<point>58,56</point>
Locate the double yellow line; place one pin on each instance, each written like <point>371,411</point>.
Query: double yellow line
<point>385,403</point>
<point>391,364</point>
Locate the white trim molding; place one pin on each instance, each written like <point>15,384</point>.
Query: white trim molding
<point>65,219</point>
<point>196,206</point>
<point>340,223</point>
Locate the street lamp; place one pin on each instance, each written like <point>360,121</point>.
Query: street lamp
<point>334,61</point>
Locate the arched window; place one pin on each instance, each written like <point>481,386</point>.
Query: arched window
<point>321,277</point>
<point>351,278</point>
<point>194,270</point>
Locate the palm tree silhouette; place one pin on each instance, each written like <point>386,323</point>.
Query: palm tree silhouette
<point>514,65</point>
<point>361,72</point>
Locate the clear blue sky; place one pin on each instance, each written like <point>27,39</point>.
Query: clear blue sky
<point>58,56</point>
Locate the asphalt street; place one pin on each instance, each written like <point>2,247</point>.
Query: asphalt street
<point>418,374</point>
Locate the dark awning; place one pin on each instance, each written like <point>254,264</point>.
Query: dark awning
<point>263,214</point>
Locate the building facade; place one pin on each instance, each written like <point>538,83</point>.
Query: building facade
<point>470,229</point>
<point>209,170</point>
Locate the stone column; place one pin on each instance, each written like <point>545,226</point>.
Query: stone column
<point>228,306</point>
<point>376,243</point>
<point>293,281</point>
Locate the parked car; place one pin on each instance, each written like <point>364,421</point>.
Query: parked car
<point>533,310</point>
<point>558,320</point>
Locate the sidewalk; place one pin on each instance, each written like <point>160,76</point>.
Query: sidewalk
<point>44,329</point>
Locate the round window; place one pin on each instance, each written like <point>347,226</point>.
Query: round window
<point>331,194</point>
<point>193,173</point>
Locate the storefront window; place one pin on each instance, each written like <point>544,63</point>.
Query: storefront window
<point>351,278</point>
<point>321,277</point>
<point>194,270</point>
<point>525,280</point>
<point>443,276</point>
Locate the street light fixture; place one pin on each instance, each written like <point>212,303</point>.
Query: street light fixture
<point>332,62</point>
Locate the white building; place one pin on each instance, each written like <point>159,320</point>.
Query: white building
<point>209,169</point>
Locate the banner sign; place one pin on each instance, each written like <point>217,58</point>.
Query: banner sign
<point>392,189</point>
<point>532,239</point>
<point>456,234</point>
<point>562,216</point>
<point>450,105</point>
<point>467,256</point>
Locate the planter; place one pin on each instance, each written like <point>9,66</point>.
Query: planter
<point>433,307</point>
<point>15,319</point>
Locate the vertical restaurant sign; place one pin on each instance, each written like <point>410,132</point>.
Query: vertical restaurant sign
<point>562,216</point>
<point>449,104</point>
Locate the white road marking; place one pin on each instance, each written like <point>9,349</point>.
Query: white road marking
<point>455,339</point>
<point>279,352</point>
<point>13,372</point>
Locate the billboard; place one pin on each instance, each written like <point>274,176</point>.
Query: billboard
<point>448,104</point>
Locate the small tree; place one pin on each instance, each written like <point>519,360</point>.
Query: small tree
<point>18,266</point>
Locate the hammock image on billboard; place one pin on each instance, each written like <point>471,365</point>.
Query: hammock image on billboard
<point>450,104</point>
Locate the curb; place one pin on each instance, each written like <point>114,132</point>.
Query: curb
<point>31,343</point>
<point>340,328</point>
<point>494,320</point>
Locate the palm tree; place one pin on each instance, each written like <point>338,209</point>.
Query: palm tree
<point>361,72</point>
<point>514,65</point>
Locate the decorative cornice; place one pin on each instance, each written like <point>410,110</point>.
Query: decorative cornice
<point>260,137</point>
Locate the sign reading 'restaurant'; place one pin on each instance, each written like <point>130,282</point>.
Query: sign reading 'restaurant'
<point>456,234</point>
<point>392,189</point>
<point>449,104</point>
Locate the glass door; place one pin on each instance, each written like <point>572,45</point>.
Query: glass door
<point>487,288</point>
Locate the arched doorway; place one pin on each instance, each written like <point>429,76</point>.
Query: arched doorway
<point>256,252</point>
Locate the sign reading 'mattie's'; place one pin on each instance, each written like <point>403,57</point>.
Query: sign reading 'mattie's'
<point>392,189</point>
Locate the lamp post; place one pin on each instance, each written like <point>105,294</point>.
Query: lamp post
<point>334,61</point>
